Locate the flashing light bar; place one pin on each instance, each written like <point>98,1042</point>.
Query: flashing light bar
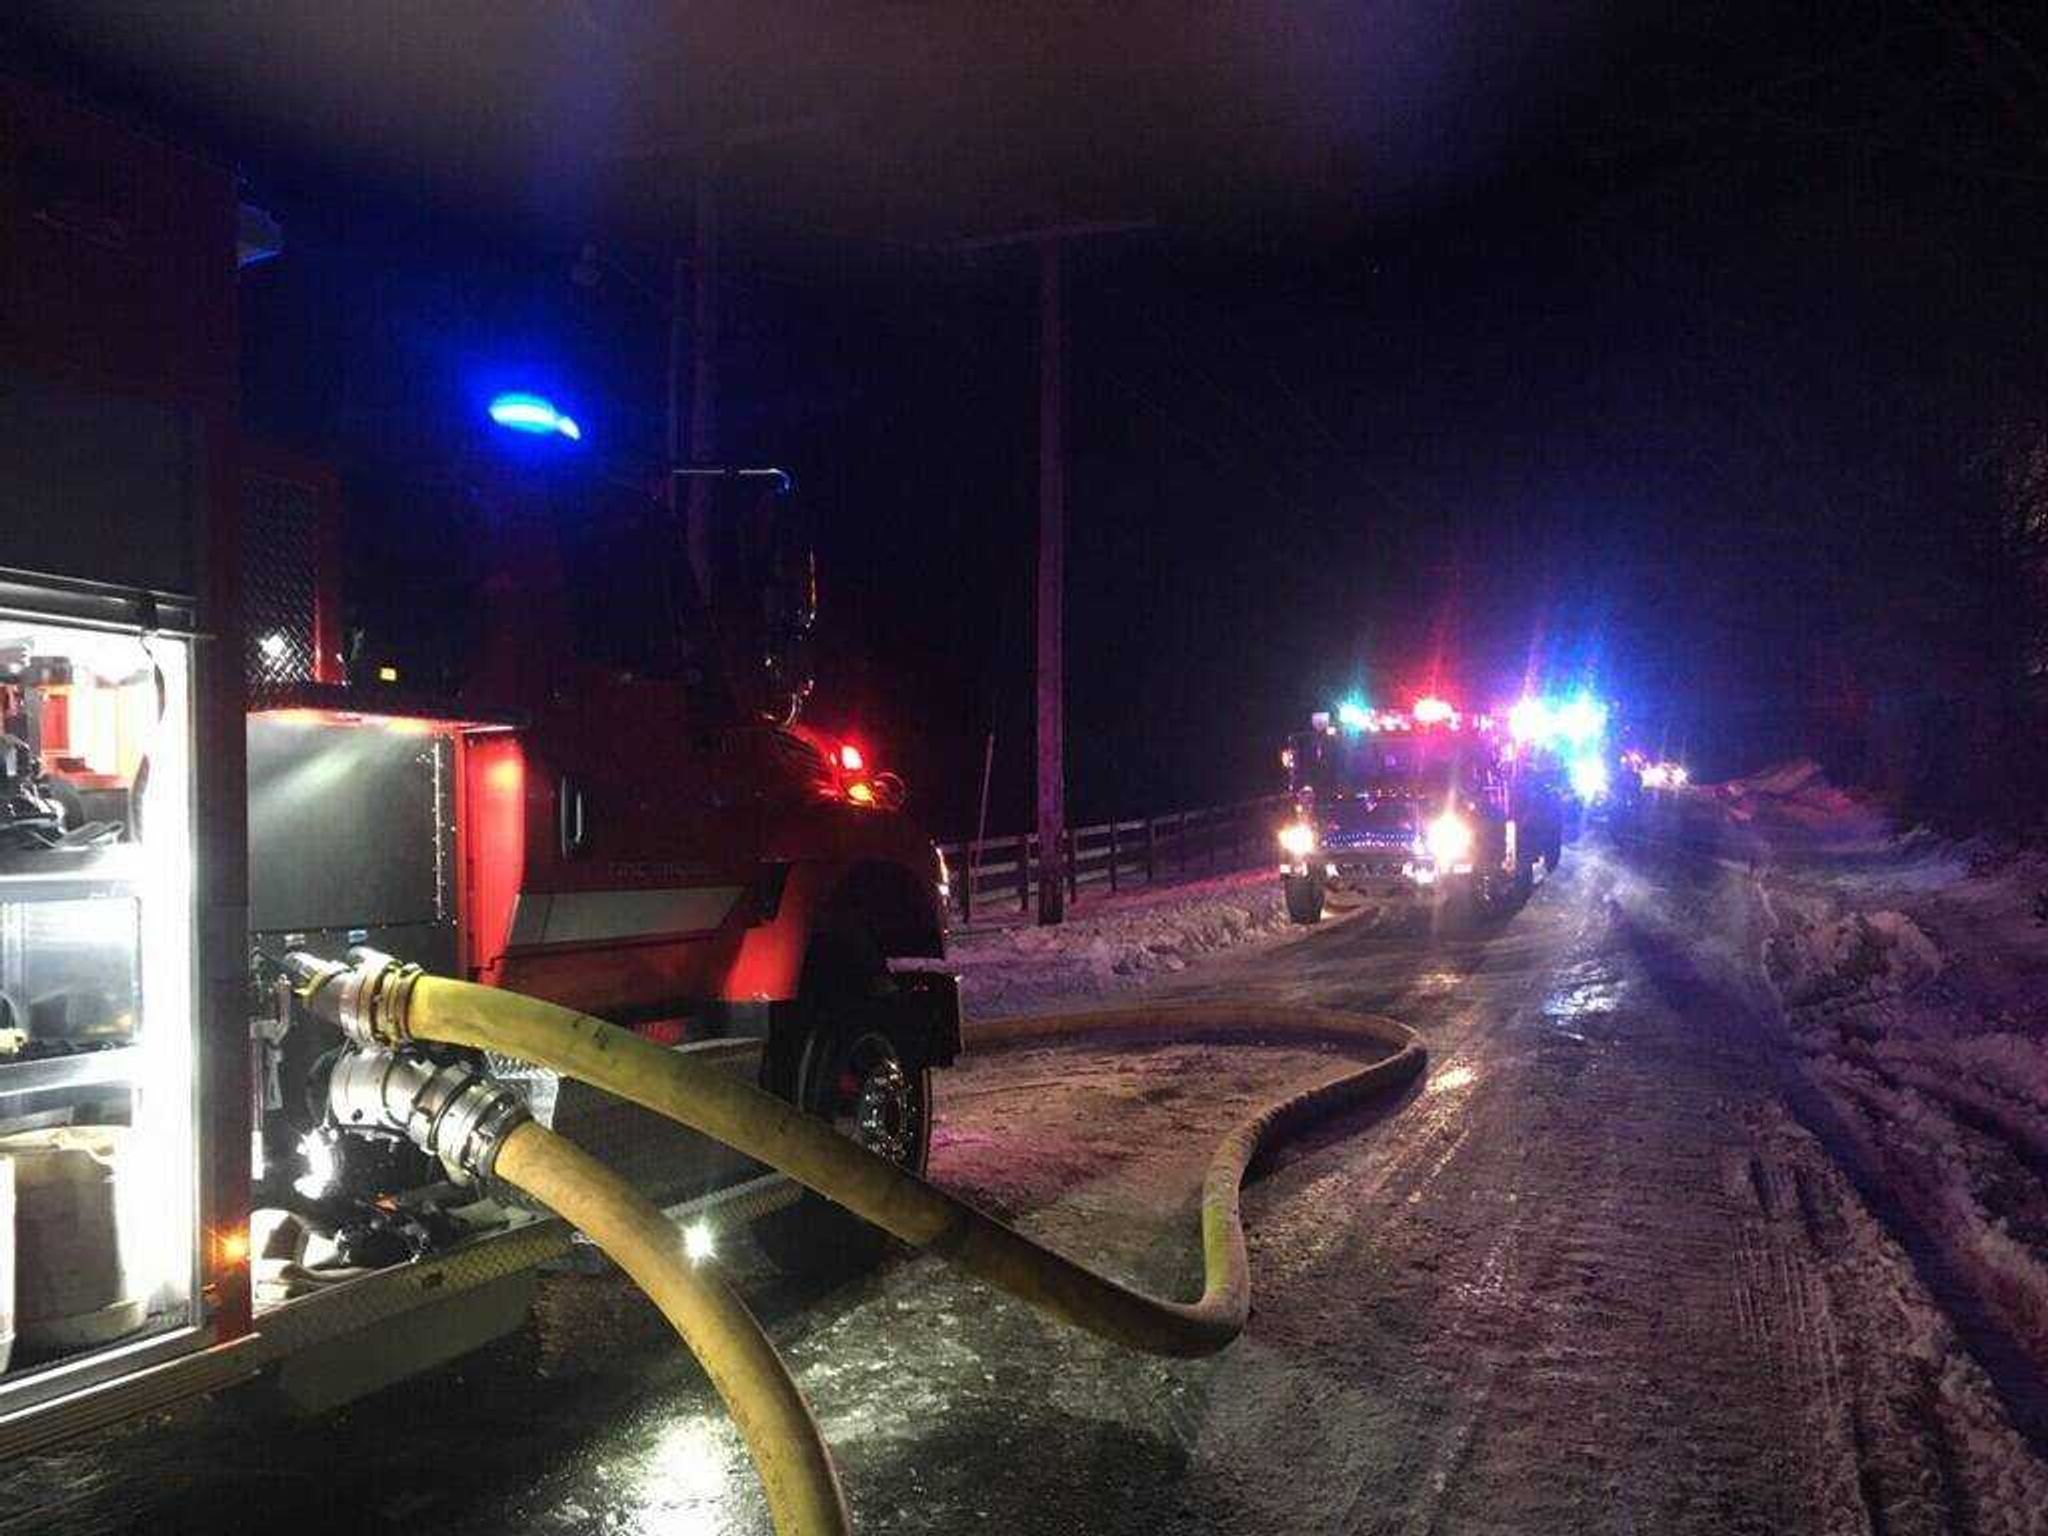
<point>534,415</point>
<point>1354,717</point>
<point>1579,721</point>
<point>1529,720</point>
<point>1431,710</point>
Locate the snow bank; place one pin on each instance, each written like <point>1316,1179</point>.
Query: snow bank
<point>1798,795</point>
<point>1914,985</point>
<point>1115,943</point>
<point>1864,955</point>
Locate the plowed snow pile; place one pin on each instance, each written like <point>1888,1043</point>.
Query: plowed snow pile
<point>1865,955</point>
<point>1115,943</point>
<point>1913,977</point>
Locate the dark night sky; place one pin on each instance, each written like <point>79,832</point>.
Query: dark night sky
<point>1625,345</point>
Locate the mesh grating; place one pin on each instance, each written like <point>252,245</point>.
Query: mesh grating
<point>281,521</point>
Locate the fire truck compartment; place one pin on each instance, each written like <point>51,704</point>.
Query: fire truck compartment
<point>96,1021</point>
<point>352,836</point>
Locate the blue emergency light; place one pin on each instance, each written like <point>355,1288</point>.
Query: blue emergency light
<point>534,415</point>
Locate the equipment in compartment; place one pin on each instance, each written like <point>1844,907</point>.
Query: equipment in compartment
<point>68,969</point>
<point>73,760</point>
<point>94,960</point>
<point>73,1238</point>
<point>352,828</point>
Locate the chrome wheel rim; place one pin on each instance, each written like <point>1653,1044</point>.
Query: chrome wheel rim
<point>878,1100</point>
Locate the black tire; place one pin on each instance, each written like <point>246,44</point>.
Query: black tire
<point>1304,899</point>
<point>833,1071</point>
<point>1463,909</point>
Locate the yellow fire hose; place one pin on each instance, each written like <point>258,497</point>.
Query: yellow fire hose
<point>392,1004</point>
<point>773,1418</point>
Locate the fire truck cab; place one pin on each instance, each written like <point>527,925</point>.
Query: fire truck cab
<point>612,807</point>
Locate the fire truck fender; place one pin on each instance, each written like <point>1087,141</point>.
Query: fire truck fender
<point>893,906</point>
<point>891,912</point>
<point>859,920</point>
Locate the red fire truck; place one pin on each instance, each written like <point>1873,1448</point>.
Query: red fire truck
<point>1429,806</point>
<point>614,808</point>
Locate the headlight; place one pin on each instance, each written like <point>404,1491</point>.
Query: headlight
<point>1298,839</point>
<point>1589,778</point>
<point>1450,839</point>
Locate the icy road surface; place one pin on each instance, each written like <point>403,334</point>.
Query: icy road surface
<point>1592,1276</point>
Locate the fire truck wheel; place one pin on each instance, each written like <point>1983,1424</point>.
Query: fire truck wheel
<point>857,1079</point>
<point>1524,880</point>
<point>1464,906</point>
<point>1304,899</point>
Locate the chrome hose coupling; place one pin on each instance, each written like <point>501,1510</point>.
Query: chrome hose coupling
<point>456,1113</point>
<point>365,999</point>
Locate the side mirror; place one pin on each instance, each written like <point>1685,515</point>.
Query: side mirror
<point>762,582</point>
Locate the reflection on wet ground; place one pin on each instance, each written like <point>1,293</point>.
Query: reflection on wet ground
<point>1581,1004</point>
<point>1451,1079</point>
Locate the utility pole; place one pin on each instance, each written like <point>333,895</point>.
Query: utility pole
<point>701,446</point>
<point>1050,243</point>
<point>1052,577</point>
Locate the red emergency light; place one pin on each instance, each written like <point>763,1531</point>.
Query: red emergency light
<point>1431,710</point>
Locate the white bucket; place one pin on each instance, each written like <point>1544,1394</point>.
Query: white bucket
<point>73,1230</point>
<point>6,1262</point>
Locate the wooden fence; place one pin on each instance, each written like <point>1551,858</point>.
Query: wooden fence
<point>1001,874</point>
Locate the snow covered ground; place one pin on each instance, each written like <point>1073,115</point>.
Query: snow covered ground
<point>1718,1212</point>
<point>1911,974</point>
<point>1114,944</point>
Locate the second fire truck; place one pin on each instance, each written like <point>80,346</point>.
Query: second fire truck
<point>1428,806</point>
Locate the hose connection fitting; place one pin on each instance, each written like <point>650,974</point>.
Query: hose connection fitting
<point>365,999</point>
<point>455,1113</point>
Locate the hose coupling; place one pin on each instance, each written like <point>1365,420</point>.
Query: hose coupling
<point>365,998</point>
<point>456,1113</point>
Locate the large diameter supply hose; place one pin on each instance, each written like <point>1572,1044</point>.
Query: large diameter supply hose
<point>772,1131</point>
<point>781,1435</point>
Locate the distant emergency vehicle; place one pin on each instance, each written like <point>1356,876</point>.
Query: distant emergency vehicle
<point>1431,806</point>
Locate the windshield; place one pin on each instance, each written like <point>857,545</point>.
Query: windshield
<point>634,604</point>
<point>716,593</point>
<point>1380,762</point>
